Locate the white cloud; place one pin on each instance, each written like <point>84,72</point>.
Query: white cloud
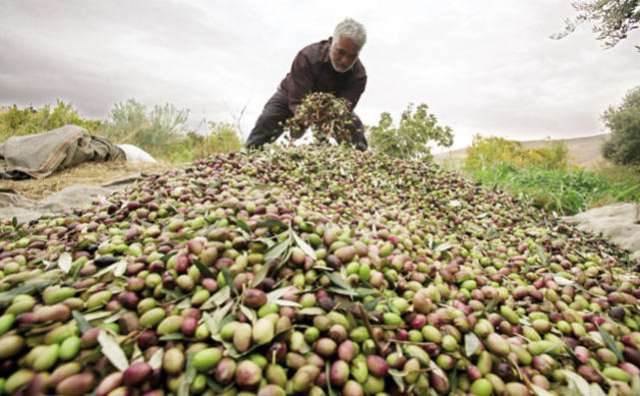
<point>483,67</point>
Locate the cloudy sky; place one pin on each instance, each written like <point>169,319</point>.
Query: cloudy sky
<point>482,66</point>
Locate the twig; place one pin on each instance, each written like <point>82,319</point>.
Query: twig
<point>365,317</point>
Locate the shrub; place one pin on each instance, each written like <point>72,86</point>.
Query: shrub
<point>158,131</point>
<point>412,137</point>
<point>222,138</point>
<point>488,152</point>
<point>15,121</point>
<point>623,147</point>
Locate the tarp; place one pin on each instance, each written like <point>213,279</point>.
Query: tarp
<point>618,223</point>
<point>76,196</point>
<point>136,155</point>
<point>39,155</point>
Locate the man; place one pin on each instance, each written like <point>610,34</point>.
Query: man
<point>327,66</point>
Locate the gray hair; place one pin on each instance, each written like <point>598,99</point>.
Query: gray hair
<point>353,30</point>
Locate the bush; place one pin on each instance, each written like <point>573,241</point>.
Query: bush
<point>222,138</point>
<point>17,122</point>
<point>163,132</point>
<point>542,176</point>
<point>623,147</point>
<point>158,131</point>
<point>413,136</point>
<point>486,153</point>
<point>564,191</point>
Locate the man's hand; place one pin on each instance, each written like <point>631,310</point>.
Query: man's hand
<point>361,146</point>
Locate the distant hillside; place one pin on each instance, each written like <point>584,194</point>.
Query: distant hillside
<point>583,151</point>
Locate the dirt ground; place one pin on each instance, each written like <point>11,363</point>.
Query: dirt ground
<point>89,173</point>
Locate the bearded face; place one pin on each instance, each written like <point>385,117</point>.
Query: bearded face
<point>343,54</point>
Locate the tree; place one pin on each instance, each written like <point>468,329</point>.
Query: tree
<point>623,147</point>
<point>156,130</point>
<point>413,136</point>
<point>612,20</point>
<point>223,138</point>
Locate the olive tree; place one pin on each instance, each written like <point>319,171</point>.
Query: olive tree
<point>623,147</point>
<point>611,20</point>
<point>413,135</point>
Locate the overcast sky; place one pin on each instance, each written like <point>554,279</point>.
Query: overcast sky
<point>482,66</point>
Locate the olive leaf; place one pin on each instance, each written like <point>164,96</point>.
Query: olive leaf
<point>214,322</point>
<point>278,293</point>
<point>106,270</point>
<point>577,383</point>
<point>271,223</point>
<point>97,315</point>
<point>261,274</point>
<point>228,278</point>
<point>204,270</point>
<point>187,380</point>
<point>64,262</point>
<point>120,268</point>
<point>541,255</point>
<point>610,342</point>
<point>111,349</point>
<point>339,281</point>
<point>540,391</point>
<point>249,313</point>
<point>562,281</point>
<point>214,386</point>
<point>219,298</point>
<point>311,311</point>
<point>308,250</point>
<point>472,344</point>
<point>397,377</point>
<point>83,324</point>
<point>443,247</point>
<point>243,225</point>
<point>327,372</point>
<point>27,288</point>
<point>286,303</point>
<point>172,337</point>
<point>344,292</point>
<point>277,251</point>
<point>596,390</point>
<point>266,241</point>
<point>369,306</point>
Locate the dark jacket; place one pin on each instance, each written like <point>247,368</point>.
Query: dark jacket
<point>312,71</point>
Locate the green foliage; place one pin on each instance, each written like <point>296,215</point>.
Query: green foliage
<point>157,131</point>
<point>490,151</point>
<point>612,20</point>
<point>624,123</point>
<point>162,131</point>
<point>29,120</point>
<point>564,191</point>
<point>413,136</point>
<point>543,176</point>
<point>222,138</point>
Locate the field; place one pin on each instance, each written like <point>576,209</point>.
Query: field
<point>583,151</point>
<point>587,180</point>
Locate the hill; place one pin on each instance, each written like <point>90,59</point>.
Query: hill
<point>583,151</point>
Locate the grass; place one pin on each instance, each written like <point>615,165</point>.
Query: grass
<point>564,191</point>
